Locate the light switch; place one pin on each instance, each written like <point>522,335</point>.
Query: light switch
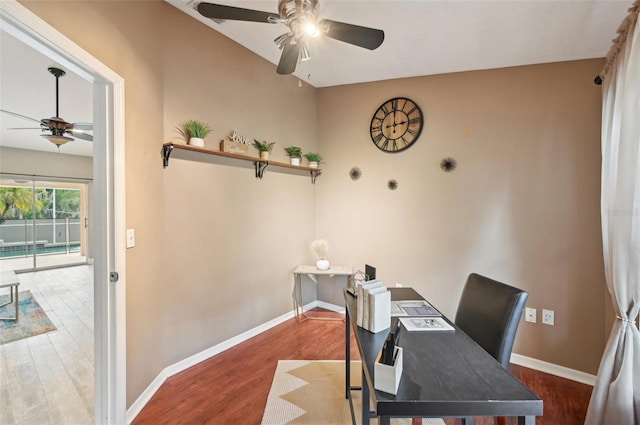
<point>131,238</point>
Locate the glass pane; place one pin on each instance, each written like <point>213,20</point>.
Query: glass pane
<point>16,224</point>
<point>59,224</point>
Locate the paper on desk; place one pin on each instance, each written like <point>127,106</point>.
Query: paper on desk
<point>413,308</point>
<point>419,324</point>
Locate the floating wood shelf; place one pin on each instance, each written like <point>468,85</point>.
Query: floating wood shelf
<point>210,156</point>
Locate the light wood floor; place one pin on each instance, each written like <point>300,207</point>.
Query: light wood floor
<point>48,378</point>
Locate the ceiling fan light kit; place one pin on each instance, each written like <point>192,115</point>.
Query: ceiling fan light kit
<point>301,16</point>
<point>57,140</point>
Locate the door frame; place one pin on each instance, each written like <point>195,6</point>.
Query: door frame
<point>109,202</point>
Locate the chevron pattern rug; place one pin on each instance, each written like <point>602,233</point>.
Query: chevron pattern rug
<point>305,392</point>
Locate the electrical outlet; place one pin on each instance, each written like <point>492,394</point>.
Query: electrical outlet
<point>530,315</point>
<point>398,285</point>
<point>548,317</point>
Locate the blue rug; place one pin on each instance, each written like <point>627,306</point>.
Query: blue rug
<point>32,319</point>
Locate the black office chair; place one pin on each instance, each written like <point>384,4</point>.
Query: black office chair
<point>489,312</point>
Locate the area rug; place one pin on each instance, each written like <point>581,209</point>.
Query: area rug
<point>305,392</point>
<point>32,319</point>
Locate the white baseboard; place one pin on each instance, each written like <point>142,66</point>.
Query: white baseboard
<point>553,369</point>
<point>329,306</point>
<point>178,367</point>
<point>324,305</point>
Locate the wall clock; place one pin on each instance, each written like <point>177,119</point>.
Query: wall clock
<point>396,125</point>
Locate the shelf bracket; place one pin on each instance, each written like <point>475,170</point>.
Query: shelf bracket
<point>260,167</point>
<point>166,153</point>
<point>314,175</point>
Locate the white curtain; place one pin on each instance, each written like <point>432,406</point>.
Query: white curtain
<point>616,396</point>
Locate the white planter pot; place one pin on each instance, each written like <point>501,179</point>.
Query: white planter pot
<point>295,161</point>
<point>322,265</point>
<point>197,142</point>
<point>264,155</point>
<point>313,164</point>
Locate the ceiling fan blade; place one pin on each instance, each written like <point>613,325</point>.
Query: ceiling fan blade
<point>24,128</point>
<point>19,116</point>
<point>369,38</point>
<point>219,11</point>
<point>86,126</point>
<point>81,134</point>
<point>289,58</point>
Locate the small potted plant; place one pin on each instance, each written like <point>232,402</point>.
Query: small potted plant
<point>320,247</point>
<point>263,147</point>
<point>195,132</point>
<point>295,154</point>
<point>313,158</point>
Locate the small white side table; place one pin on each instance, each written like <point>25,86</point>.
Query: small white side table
<point>10,280</point>
<point>312,272</point>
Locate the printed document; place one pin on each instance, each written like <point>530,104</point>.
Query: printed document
<point>413,308</point>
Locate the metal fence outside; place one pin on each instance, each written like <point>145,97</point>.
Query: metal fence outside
<point>61,235</point>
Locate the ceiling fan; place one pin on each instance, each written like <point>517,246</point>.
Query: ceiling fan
<point>57,127</point>
<point>301,16</point>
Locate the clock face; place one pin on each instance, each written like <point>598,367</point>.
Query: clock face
<point>396,125</point>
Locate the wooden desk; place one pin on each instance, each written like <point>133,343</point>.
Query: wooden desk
<point>312,272</point>
<point>445,374</point>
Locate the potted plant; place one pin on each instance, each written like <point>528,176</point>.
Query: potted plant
<point>320,247</point>
<point>313,158</point>
<point>263,147</point>
<point>295,154</point>
<point>195,132</point>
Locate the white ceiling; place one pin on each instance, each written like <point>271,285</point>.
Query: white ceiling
<point>427,37</point>
<point>422,37</point>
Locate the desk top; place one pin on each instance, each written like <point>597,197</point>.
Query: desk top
<point>333,270</point>
<point>444,374</point>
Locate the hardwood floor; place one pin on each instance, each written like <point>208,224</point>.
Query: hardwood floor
<point>232,387</point>
<point>565,401</point>
<point>48,378</point>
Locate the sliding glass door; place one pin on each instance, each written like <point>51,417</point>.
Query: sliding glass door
<point>43,224</point>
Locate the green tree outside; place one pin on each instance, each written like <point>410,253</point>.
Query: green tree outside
<point>67,203</point>
<point>16,203</point>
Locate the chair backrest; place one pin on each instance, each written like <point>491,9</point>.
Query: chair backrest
<point>489,312</point>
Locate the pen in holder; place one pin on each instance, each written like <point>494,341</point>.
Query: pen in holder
<point>387,377</point>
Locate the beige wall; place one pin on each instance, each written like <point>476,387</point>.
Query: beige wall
<point>214,245</point>
<point>36,163</point>
<point>522,206</point>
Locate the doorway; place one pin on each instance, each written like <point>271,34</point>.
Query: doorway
<point>109,273</point>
